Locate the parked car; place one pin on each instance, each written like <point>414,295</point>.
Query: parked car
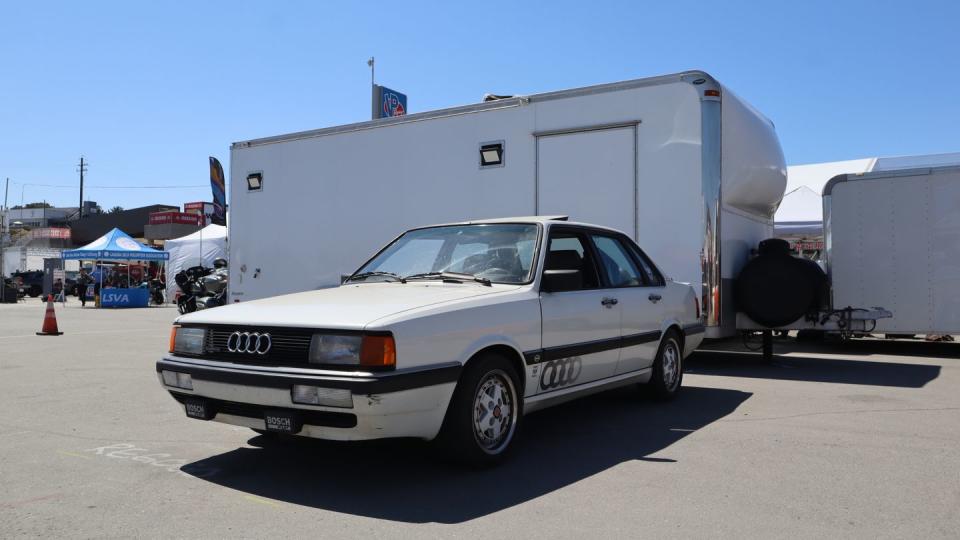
<point>31,282</point>
<point>450,332</point>
<point>70,282</point>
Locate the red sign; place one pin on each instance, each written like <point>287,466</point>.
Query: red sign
<point>51,232</point>
<point>193,207</point>
<point>181,218</point>
<point>808,246</point>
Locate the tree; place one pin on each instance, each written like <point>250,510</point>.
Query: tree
<point>32,205</point>
<point>116,210</point>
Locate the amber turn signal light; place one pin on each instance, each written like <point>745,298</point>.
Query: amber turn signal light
<point>173,336</point>
<point>378,351</point>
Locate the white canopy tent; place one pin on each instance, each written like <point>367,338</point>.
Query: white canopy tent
<point>802,203</point>
<point>802,206</point>
<point>199,248</point>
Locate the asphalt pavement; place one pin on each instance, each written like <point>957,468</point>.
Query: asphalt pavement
<point>857,439</point>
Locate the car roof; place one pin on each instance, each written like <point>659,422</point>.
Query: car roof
<point>544,220</point>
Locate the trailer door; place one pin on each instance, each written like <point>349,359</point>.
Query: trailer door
<point>590,175</point>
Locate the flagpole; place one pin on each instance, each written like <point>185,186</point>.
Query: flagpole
<point>373,89</point>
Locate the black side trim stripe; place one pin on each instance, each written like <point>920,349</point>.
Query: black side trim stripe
<point>640,339</point>
<point>580,349</point>
<point>357,385</point>
<point>589,347</point>
<point>693,329</point>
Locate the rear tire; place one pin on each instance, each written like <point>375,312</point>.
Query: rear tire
<point>485,412</point>
<point>667,376</point>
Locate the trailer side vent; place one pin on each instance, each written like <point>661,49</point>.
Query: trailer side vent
<point>491,154</point>
<point>255,181</point>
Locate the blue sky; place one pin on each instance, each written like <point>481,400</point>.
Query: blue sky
<point>147,90</point>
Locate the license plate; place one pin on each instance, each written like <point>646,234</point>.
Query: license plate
<point>198,409</point>
<point>282,422</point>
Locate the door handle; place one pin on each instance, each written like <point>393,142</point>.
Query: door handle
<point>654,298</point>
<point>607,301</point>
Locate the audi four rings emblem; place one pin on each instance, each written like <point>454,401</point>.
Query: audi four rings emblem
<point>560,372</point>
<point>249,343</point>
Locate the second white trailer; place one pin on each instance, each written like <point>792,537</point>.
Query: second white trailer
<point>893,239</point>
<point>679,162</point>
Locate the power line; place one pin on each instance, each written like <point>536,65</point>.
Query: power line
<point>109,187</point>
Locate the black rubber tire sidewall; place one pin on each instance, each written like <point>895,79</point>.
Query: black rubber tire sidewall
<point>656,385</point>
<point>456,439</point>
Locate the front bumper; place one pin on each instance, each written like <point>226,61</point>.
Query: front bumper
<point>402,403</point>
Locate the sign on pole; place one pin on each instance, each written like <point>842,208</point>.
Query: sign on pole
<point>389,103</point>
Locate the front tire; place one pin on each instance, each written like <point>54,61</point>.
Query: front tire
<point>667,374</point>
<point>483,419</point>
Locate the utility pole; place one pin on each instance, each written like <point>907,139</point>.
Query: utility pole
<point>373,90</point>
<point>3,240</point>
<point>82,169</point>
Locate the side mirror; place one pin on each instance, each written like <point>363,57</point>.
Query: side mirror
<point>561,280</point>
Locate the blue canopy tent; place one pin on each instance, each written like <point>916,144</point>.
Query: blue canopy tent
<point>117,245</point>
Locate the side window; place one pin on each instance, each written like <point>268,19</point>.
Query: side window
<point>653,276</point>
<point>616,262</point>
<point>567,252</point>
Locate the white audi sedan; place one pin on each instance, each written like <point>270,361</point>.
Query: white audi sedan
<point>450,332</point>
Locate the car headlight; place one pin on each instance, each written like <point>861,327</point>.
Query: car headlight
<point>187,340</point>
<point>375,351</point>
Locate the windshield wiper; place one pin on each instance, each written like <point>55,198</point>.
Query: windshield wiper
<point>365,275</point>
<point>448,276</point>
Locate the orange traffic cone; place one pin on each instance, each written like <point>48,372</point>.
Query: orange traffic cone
<point>49,321</point>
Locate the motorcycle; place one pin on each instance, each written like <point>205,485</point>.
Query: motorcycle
<point>157,290</point>
<point>202,287</point>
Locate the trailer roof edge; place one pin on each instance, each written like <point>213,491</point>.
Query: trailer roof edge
<point>685,76</point>
<point>870,175</point>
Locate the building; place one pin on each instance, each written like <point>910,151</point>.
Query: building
<point>176,224</point>
<point>133,222</point>
<point>33,218</point>
<point>33,234</point>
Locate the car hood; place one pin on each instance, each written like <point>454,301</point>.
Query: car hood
<point>346,307</point>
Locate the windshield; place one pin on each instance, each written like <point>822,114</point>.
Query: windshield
<point>501,253</point>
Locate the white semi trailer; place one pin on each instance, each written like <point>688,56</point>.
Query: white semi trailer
<point>678,162</point>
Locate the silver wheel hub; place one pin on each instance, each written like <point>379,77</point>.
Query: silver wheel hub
<point>671,365</point>
<point>493,412</point>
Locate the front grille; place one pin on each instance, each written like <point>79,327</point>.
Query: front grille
<point>290,346</point>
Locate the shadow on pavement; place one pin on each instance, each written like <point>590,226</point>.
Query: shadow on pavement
<point>801,368</point>
<point>404,481</point>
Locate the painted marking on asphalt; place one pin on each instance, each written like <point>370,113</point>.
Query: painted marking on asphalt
<point>14,504</point>
<point>73,454</point>
<point>259,500</point>
<point>131,452</point>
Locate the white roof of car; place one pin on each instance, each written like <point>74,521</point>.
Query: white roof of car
<point>544,220</point>
<point>519,219</point>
